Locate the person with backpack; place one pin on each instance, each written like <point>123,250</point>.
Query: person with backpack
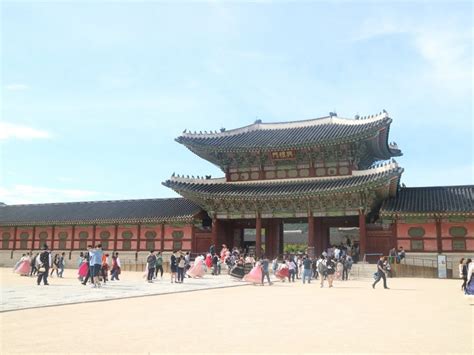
<point>322,269</point>
<point>159,265</point>
<point>306,269</point>
<point>150,263</point>
<point>381,272</point>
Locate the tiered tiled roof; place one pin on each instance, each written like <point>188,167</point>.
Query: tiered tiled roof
<point>321,131</point>
<point>219,188</point>
<point>430,201</point>
<point>125,211</point>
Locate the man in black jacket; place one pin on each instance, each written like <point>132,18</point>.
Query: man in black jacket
<point>45,263</point>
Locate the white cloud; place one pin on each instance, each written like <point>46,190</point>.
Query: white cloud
<point>12,131</point>
<point>17,87</point>
<point>23,194</point>
<point>446,50</point>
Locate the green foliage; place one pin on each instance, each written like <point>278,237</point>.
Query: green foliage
<point>294,248</point>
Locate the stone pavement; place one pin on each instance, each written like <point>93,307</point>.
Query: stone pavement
<point>70,291</point>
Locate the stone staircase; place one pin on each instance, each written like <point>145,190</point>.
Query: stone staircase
<point>363,271</point>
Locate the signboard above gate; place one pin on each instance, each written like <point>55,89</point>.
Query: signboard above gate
<point>283,155</point>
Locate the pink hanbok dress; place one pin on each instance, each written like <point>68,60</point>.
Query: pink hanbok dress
<point>83,269</point>
<point>197,270</point>
<point>23,268</point>
<point>255,275</point>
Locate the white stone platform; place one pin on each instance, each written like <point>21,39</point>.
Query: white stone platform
<point>20,292</point>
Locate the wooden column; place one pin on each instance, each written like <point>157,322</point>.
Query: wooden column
<point>139,236</point>
<point>281,240</point>
<point>258,236</point>
<point>94,227</point>
<point>439,242</point>
<point>15,232</point>
<point>395,233</point>
<point>52,237</point>
<point>33,238</point>
<point>162,244</point>
<point>116,237</point>
<point>318,230</point>
<point>362,235</point>
<point>73,239</point>
<point>214,232</point>
<point>311,235</point>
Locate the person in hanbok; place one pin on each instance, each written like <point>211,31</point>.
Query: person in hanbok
<point>255,275</point>
<point>339,270</point>
<point>208,260</point>
<point>469,290</point>
<point>18,263</point>
<point>23,267</point>
<point>224,251</point>
<point>238,270</point>
<point>197,270</point>
<point>282,272</point>
<point>83,269</point>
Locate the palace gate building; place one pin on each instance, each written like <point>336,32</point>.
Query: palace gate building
<point>328,172</point>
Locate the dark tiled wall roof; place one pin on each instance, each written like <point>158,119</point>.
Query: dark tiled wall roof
<point>287,137</point>
<point>148,210</point>
<point>438,199</point>
<point>281,188</point>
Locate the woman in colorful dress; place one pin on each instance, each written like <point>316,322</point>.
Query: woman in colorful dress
<point>238,270</point>
<point>282,272</point>
<point>255,275</point>
<point>197,270</point>
<point>208,260</point>
<point>23,267</point>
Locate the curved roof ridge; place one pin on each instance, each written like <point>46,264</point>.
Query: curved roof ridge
<point>380,168</point>
<point>91,202</point>
<point>331,119</point>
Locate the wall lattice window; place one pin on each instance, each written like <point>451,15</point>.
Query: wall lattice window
<point>104,239</point>
<point>416,245</point>
<point>127,240</point>
<point>150,240</point>
<point>62,240</point>
<point>83,236</point>
<point>6,240</point>
<point>24,240</point>
<point>43,237</point>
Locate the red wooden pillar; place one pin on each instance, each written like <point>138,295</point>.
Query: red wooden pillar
<point>52,237</point>
<point>15,232</point>
<point>258,236</point>
<point>139,236</point>
<point>281,239</point>
<point>318,230</point>
<point>116,237</point>
<point>162,244</point>
<point>362,235</point>
<point>395,233</point>
<point>214,233</point>
<point>311,235</point>
<point>439,242</point>
<point>33,239</point>
<point>94,227</point>
<point>73,238</point>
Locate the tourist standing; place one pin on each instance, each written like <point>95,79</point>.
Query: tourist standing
<point>265,264</point>
<point>88,257</point>
<point>291,270</point>
<point>34,269</point>
<point>215,262</point>
<point>96,262</point>
<point>173,266</point>
<point>465,268</point>
<point>151,262</point>
<point>381,272</point>
<point>115,267</point>
<point>159,265</point>
<point>61,262</point>
<point>462,275</point>
<point>44,264</point>
<point>307,269</point>
<point>322,269</point>
<point>330,270</point>
<point>181,265</point>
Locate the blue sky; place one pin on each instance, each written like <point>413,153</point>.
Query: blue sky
<point>94,93</point>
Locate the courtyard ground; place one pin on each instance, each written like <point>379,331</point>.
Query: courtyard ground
<point>414,316</point>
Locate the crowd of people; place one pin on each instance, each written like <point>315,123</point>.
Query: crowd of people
<point>28,265</point>
<point>335,263</point>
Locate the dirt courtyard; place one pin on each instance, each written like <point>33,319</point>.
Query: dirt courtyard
<point>414,316</point>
